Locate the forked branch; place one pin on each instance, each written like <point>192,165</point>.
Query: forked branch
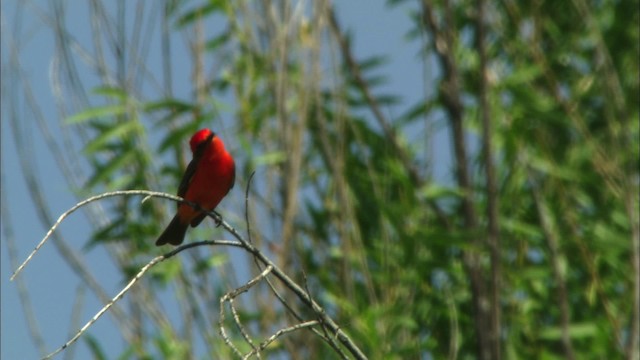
<point>328,324</point>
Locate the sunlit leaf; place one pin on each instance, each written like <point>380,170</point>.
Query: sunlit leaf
<point>96,112</point>
<point>576,331</point>
<point>117,163</point>
<point>198,12</point>
<point>116,132</point>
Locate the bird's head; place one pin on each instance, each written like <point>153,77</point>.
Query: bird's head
<point>200,138</point>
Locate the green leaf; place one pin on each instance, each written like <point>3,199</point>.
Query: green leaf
<point>272,158</point>
<point>376,80</point>
<point>177,136</point>
<point>121,129</point>
<point>217,41</point>
<point>173,105</point>
<point>435,191</point>
<point>213,261</point>
<point>121,182</point>
<point>199,12</point>
<point>106,233</point>
<point>416,112</point>
<point>547,166</point>
<point>521,228</point>
<point>576,331</point>
<point>116,163</point>
<point>112,92</point>
<point>373,62</point>
<point>169,346</point>
<point>96,112</point>
<point>524,75</point>
<point>94,347</point>
<point>167,272</point>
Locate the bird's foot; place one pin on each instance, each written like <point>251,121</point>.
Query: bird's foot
<point>219,219</point>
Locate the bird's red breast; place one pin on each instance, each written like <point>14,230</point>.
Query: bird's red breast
<point>208,178</point>
<point>213,177</point>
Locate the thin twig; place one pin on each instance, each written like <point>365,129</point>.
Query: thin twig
<point>230,296</point>
<point>75,318</point>
<point>328,339</point>
<point>335,330</point>
<point>344,339</point>
<point>243,331</point>
<point>550,233</point>
<point>493,228</point>
<point>246,206</point>
<point>135,279</point>
<point>83,203</point>
<point>444,43</point>
<point>454,343</point>
<point>263,345</point>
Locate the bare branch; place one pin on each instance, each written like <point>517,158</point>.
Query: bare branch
<point>75,318</point>
<point>83,203</point>
<point>135,279</point>
<point>444,39</point>
<point>303,295</point>
<point>246,206</point>
<point>329,339</point>
<point>272,338</point>
<point>493,231</point>
<point>229,297</point>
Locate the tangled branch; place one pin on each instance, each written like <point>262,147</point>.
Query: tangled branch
<point>328,326</point>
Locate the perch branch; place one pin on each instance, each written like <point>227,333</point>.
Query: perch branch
<point>327,321</point>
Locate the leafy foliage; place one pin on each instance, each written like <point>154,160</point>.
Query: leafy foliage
<point>347,199</point>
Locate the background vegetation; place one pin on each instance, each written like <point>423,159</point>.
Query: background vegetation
<point>531,251</point>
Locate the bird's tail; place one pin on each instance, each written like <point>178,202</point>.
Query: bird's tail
<point>174,233</point>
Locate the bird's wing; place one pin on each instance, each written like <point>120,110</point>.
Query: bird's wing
<point>233,180</point>
<point>187,177</point>
<point>192,167</point>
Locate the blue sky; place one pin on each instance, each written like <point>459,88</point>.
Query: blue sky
<point>51,284</point>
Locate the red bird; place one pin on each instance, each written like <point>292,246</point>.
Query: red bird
<point>208,178</point>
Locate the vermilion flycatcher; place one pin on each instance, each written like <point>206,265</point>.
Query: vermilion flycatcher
<point>208,178</point>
